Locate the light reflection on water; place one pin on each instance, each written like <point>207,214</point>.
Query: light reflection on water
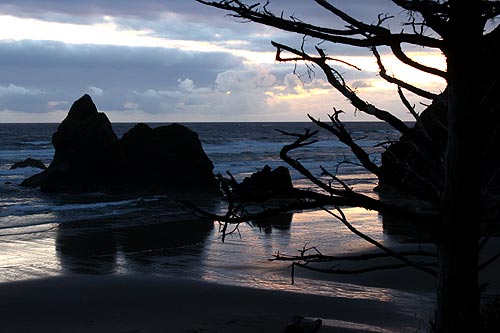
<point>29,254</point>
<point>243,259</point>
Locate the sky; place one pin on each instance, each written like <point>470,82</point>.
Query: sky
<point>181,61</point>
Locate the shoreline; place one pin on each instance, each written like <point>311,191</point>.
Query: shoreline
<point>403,301</point>
<point>135,303</point>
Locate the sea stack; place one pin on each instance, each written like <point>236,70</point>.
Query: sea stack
<point>264,184</point>
<point>90,158</point>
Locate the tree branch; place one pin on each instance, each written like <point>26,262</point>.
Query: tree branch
<point>362,270</point>
<point>342,218</point>
<point>399,53</point>
<point>338,129</point>
<point>400,83</point>
<point>435,14</point>
<point>489,261</point>
<point>360,26</point>
<point>319,257</point>
<point>368,35</point>
<point>336,80</point>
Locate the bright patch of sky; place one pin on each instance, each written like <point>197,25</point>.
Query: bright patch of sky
<point>109,33</point>
<point>147,68</point>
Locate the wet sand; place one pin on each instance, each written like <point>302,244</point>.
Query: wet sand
<point>151,303</point>
<point>114,303</point>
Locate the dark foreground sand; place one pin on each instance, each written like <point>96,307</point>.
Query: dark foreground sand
<point>157,304</point>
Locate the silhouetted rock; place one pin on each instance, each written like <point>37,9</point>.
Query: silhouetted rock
<point>37,180</point>
<point>265,183</point>
<point>84,158</point>
<point>89,157</point>
<point>29,162</point>
<point>418,155</point>
<point>166,156</point>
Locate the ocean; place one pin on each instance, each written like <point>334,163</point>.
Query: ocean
<point>45,235</point>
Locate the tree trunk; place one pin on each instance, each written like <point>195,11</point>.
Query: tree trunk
<point>458,250</point>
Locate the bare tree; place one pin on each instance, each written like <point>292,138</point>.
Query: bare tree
<point>459,197</point>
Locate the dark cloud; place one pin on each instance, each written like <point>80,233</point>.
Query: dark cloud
<point>190,20</point>
<point>364,9</point>
<point>43,76</point>
<point>73,11</point>
<point>59,71</point>
<point>46,60</point>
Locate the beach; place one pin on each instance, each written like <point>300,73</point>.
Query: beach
<point>122,263</point>
<point>133,303</point>
<point>153,303</point>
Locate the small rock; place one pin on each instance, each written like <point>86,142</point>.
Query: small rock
<point>29,162</point>
<point>265,183</point>
<point>299,324</point>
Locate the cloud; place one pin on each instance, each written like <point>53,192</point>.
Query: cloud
<point>95,91</point>
<point>13,90</point>
<point>245,80</point>
<point>361,84</point>
<point>190,9</point>
<point>130,106</point>
<point>169,83</point>
<point>233,95</point>
<point>149,81</point>
<point>145,84</point>
<point>190,20</point>
<point>16,97</point>
<point>57,105</point>
<point>53,71</point>
<point>245,94</point>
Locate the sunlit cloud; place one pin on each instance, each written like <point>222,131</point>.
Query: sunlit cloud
<point>109,33</point>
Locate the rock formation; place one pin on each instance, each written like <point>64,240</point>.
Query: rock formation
<point>89,157</point>
<point>266,183</point>
<point>29,162</point>
<point>418,155</point>
<point>166,156</point>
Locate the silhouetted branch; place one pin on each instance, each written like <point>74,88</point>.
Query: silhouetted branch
<point>399,53</point>
<point>489,261</point>
<point>342,218</point>
<point>363,269</point>
<point>336,80</point>
<point>346,195</point>
<point>337,128</point>
<point>398,82</point>
<point>357,34</point>
<point>492,226</point>
<point>429,189</point>
<point>319,257</point>
<point>411,109</point>
<point>434,13</point>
